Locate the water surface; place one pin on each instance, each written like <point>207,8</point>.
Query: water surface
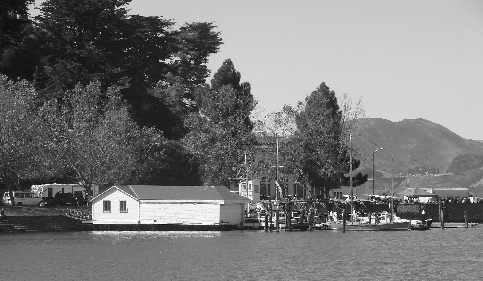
<point>449,254</point>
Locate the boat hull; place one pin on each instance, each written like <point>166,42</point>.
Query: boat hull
<point>370,227</point>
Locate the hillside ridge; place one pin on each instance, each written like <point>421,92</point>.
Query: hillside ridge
<point>410,144</point>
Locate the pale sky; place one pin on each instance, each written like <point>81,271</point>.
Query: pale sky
<point>406,59</point>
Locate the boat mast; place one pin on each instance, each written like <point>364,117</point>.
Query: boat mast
<point>392,187</point>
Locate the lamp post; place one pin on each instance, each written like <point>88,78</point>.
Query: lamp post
<point>373,178</point>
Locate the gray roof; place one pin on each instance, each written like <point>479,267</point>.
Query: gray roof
<point>202,193</point>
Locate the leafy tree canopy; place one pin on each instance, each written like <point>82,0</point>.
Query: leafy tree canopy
<point>220,132</point>
<point>21,134</point>
<point>325,154</point>
<point>97,40</point>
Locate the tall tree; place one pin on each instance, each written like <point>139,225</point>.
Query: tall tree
<point>97,40</point>
<point>17,60</point>
<point>320,132</point>
<point>84,43</point>
<point>13,18</point>
<point>220,132</point>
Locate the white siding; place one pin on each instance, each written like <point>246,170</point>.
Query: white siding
<point>232,213</point>
<point>115,216</point>
<point>180,213</point>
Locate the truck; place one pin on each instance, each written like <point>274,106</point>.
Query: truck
<point>61,194</point>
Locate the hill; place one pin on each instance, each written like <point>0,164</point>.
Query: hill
<point>413,144</point>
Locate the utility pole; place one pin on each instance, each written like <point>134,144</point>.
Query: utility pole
<point>350,177</point>
<point>276,177</point>
<point>373,165</point>
<point>246,174</point>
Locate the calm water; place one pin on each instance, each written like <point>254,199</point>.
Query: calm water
<point>449,254</point>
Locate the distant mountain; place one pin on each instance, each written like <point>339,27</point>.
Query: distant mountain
<point>414,144</point>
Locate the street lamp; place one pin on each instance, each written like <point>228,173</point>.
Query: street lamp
<point>373,178</point>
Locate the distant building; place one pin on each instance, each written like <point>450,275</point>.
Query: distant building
<point>448,192</point>
<point>265,188</point>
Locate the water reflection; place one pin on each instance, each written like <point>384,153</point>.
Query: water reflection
<point>127,235</point>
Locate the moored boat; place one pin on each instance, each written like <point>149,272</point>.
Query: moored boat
<point>420,225</point>
<point>383,226</point>
<point>382,222</point>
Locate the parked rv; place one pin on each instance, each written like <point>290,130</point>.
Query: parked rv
<point>60,194</point>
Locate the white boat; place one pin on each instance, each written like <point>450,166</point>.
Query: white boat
<point>381,222</point>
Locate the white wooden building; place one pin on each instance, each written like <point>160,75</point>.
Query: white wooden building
<point>167,205</point>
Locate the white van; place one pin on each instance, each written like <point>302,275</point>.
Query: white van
<point>21,198</point>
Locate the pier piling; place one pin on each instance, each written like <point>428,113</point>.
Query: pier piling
<point>277,220</point>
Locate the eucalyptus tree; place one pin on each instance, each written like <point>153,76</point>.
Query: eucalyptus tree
<point>98,40</point>
<point>13,18</point>
<point>17,58</point>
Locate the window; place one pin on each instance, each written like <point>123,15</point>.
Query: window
<point>107,206</point>
<point>123,206</point>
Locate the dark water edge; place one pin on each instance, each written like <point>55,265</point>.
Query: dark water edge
<point>449,254</point>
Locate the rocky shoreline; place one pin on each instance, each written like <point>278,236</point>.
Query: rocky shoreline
<point>43,219</point>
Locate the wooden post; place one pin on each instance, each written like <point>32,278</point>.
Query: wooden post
<point>466,220</point>
<point>271,220</point>
<point>302,217</point>
<point>288,220</point>
<point>277,220</point>
<point>309,218</point>
<point>266,221</point>
<point>442,218</point>
<point>343,220</point>
<point>440,212</point>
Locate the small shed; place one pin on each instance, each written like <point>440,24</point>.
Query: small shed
<point>168,205</point>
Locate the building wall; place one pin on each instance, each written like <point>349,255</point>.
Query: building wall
<point>231,213</point>
<point>179,213</point>
<point>115,216</point>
